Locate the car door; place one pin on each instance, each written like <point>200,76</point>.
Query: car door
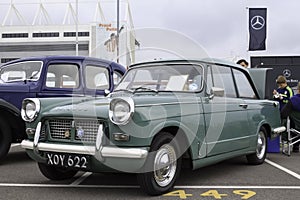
<point>62,79</point>
<point>225,114</point>
<point>247,92</point>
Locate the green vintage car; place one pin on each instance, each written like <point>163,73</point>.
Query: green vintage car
<point>163,115</point>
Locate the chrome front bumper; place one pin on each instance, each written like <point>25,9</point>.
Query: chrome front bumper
<point>112,152</point>
<point>105,152</point>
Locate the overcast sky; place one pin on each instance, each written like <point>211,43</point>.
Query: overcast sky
<point>220,27</point>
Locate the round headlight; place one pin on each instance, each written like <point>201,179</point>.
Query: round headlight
<point>30,109</point>
<point>120,110</point>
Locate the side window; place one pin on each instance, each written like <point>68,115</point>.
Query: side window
<point>244,88</point>
<point>221,77</point>
<point>62,76</point>
<point>117,77</point>
<point>96,77</point>
<point>50,81</point>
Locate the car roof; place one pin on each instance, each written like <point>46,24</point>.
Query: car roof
<point>204,60</point>
<point>114,65</point>
<point>58,57</point>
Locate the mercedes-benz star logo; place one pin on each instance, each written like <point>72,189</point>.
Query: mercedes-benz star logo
<point>257,22</point>
<point>287,73</point>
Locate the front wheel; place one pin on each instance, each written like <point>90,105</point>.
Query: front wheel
<point>5,139</point>
<point>261,149</point>
<point>56,173</point>
<point>162,166</point>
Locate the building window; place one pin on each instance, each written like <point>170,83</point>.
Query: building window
<point>50,34</point>
<point>73,34</point>
<point>14,35</point>
<point>83,34</point>
<point>69,34</point>
<point>5,60</point>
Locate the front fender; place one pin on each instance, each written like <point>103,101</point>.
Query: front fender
<point>9,107</point>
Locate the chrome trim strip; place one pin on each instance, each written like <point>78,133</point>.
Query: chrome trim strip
<point>169,103</point>
<point>229,140</point>
<point>99,137</point>
<point>116,152</point>
<point>108,152</point>
<point>37,134</point>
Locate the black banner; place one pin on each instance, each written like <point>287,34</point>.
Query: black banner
<point>257,28</point>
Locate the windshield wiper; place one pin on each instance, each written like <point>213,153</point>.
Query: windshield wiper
<point>143,88</point>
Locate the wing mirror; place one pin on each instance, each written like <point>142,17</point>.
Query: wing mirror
<point>216,91</point>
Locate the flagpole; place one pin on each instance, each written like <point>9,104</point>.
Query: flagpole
<point>76,27</point>
<point>118,27</point>
<point>247,38</point>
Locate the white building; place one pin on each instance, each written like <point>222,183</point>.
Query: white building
<point>19,38</point>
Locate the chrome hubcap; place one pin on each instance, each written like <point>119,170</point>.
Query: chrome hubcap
<point>165,165</point>
<point>261,145</point>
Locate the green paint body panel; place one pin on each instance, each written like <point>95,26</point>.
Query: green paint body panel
<point>215,128</point>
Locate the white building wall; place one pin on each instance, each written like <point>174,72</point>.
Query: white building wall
<point>17,47</point>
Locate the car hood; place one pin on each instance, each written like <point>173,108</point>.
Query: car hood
<point>87,107</point>
<point>90,107</point>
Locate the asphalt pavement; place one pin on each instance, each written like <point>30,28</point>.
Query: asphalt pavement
<point>277,178</point>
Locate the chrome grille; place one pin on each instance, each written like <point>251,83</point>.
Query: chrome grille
<point>90,130</point>
<point>59,127</point>
<point>80,129</point>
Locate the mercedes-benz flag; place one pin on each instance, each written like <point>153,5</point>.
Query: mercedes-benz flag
<point>257,28</point>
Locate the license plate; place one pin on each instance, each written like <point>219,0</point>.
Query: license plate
<point>68,160</point>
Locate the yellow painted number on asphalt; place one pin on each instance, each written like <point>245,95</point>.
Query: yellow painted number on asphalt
<point>213,193</point>
<point>178,193</point>
<point>245,194</point>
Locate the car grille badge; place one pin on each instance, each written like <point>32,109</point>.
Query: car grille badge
<point>80,132</point>
<point>67,134</point>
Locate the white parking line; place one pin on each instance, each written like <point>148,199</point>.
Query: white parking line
<point>135,186</point>
<point>81,178</point>
<point>294,174</point>
<point>66,186</point>
<point>237,187</point>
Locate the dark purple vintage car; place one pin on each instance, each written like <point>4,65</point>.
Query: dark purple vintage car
<point>49,76</point>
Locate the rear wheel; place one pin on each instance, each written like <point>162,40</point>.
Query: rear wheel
<point>261,149</point>
<point>56,173</point>
<point>162,166</point>
<point>5,139</point>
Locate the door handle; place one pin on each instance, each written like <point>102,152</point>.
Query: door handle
<point>243,105</point>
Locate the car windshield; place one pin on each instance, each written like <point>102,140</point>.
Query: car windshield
<point>29,70</point>
<point>170,77</point>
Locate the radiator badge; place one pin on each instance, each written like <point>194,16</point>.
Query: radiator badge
<point>80,132</point>
<point>67,134</point>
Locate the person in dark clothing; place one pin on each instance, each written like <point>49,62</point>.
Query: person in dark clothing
<point>292,105</point>
<point>283,92</point>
